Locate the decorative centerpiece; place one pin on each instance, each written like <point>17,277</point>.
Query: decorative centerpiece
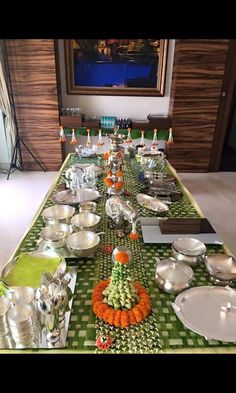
<point>62,137</point>
<point>119,301</point>
<point>154,140</point>
<point>100,140</point>
<point>121,213</point>
<point>73,139</point>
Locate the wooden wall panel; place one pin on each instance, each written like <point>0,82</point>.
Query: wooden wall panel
<point>34,84</point>
<point>198,72</point>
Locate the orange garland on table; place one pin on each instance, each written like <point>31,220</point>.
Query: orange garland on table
<point>120,318</point>
<point>118,185</point>
<point>134,236</point>
<point>108,181</point>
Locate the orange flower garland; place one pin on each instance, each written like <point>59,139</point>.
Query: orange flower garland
<point>119,173</point>
<point>108,181</point>
<point>109,173</point>
<point>122,257</point>
<point>106,156</point>
<point>134,235</point>
<point>119,185</point>
<point>120,318</point>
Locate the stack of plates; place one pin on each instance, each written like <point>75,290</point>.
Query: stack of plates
<point>4,307</point>
<point>22,324</point>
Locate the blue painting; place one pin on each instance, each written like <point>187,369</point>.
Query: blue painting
<point>116,63</point>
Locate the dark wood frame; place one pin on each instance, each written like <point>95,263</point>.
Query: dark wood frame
<point>115,91</point>
<point>225,108</point>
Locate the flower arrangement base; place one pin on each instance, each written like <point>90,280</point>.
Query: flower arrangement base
<point>120,318</point>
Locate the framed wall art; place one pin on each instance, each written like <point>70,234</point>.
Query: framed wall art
<point>134,67</point>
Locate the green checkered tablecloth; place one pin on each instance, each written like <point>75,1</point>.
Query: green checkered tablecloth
<point>161,332</point>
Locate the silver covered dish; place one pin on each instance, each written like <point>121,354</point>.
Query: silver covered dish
<point>189,250</point>
<point>221,267</point>
<point>173,276</point>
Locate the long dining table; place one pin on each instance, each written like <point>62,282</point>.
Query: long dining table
<point>161,332</point>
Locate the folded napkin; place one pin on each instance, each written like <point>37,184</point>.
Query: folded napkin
<point>29,268</point>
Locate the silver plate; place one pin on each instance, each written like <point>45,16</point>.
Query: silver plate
<point>205,310</point>
<point>82,195</point>
<point>151,203</point>
<point>222,267</point>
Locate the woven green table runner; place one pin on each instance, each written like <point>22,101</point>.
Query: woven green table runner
<point>161,331</point>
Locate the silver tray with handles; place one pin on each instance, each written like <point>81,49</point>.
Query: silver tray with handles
<point>209,311</point>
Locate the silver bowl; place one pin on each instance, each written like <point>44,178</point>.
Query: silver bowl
<point>83,243</point>
<point>58,214</point>
<point>85,221</point>
<point>173,276</point>
<point>88,206</point>
<point>222,268</point>
<point>55,234</point>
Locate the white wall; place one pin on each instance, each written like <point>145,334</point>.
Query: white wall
<point>120,106</point>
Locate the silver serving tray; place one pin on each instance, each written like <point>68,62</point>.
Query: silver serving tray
<point>82,195</point>
<point>39,253</point>
<point>62,251</point>
<point>151,203</point>
<point>209,311</point>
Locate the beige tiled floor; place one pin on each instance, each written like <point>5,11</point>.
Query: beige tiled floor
<point>22,194</point>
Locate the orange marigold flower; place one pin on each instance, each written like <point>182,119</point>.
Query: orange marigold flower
<point>111,317</point>
<point>109,173</point>
<point>137,314</point>
<point>124,319</point>
<point>101,310</point>
<point>106,156</point>
<point>119,173</point>
<point>117,318</point>
<point>106,314</point>
<point>97,305</point>
<point>122,257</point>
<point>132,319</point>
<point>119,185</point>
<point>134,235</point>
<point>108,181</point>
